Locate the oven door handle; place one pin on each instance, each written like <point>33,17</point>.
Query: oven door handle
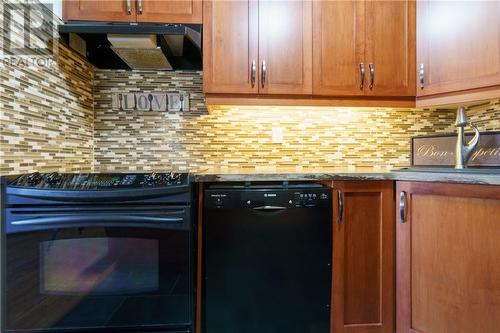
<point>111,220</point>
<point>135,194</point>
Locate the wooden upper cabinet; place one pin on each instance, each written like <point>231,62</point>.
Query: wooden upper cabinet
<point>230,46</point>
<point>363,257</point>
<point>390,48</point>
<point>364,48</point>
<point>448,258</point>
<point>285,47</point>
<point>92,10</point>
<point>458,43</point>
<point>153,11</point>
<point>170,11</point>
<point>257,47</point>
<point>339,49</point>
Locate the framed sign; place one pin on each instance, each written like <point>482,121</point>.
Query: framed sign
<point>439,150</point>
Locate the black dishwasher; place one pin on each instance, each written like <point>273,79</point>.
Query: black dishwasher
<point>267,258</point>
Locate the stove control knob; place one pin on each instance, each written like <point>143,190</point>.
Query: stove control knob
<point>148,179</point>
<point>33,179</point>
<point>168,177</point>
<point>164,178</point>
<point>152,178</point>
<point>174,177</point>
<point>53,178</point>
<point>157,178</point>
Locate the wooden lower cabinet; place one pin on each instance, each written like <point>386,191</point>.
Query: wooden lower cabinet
<point>363,257</point>
<point>448,258</point>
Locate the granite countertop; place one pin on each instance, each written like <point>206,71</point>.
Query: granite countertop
<point>348,173</point>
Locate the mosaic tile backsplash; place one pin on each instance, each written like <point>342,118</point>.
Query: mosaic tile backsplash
<point>242,137</point>
<point>60,118</point>
<point>486,116</point>
<point>46,108</point>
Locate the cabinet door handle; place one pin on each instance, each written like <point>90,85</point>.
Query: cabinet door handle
<point>263,73</point>
<point>254,73</point>
<point>139,6</point>
<point>361,76</point>
<point>372,75</point>
<point>421,73</point>
<point>129,7</point>
<point>341,207</point>
<point>402,206</point>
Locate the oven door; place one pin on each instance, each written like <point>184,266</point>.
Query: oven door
<point>85,269</point>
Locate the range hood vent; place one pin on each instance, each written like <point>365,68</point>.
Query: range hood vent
<point>136,45</point>
<point>140,51</point>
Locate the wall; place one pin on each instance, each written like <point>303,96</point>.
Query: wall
<point>55,6</point>
<point>46,111</point>
<point>486,115</point>
<point>241,137</point>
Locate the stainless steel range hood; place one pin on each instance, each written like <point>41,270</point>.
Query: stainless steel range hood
<point>136,45</point>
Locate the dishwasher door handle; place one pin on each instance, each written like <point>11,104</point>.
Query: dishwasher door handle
<point>269,208</point>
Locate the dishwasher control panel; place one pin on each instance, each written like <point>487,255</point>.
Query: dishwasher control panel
<point>267,199</point>
<point>309,199</point>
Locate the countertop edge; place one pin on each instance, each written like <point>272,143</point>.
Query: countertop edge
<point>480,179</point>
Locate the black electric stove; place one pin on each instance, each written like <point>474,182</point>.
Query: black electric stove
<point>99,253</point>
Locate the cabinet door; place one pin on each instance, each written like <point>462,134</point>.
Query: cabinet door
<point>390,48</point>
<point>92,10</point>
<point>230,46</point>
<point>458,44</point>
<point>285,47</point>
<point>448,257</point>
<point>363,257</point>
<point>338,47</point>
<point>170,11</point>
